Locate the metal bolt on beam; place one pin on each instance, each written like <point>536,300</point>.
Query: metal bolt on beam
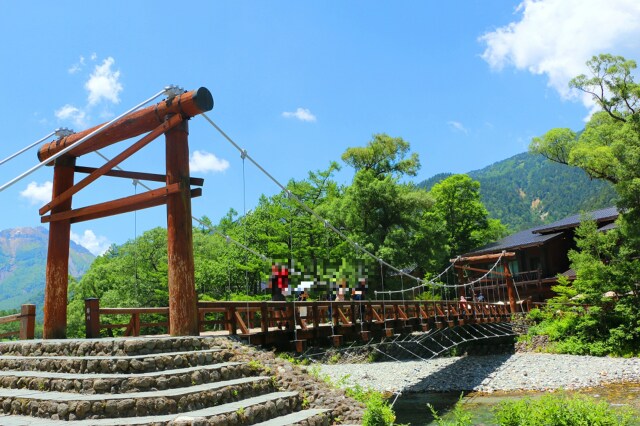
<point>63,132</point>
<point>173,90</point>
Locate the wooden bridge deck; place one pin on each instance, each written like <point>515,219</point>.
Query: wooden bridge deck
<point>299,323</point>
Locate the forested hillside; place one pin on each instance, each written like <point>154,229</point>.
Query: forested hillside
<point>23,257</point>
<point>528,190</point>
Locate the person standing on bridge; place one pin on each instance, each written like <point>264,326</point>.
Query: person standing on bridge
<point>463,304</point>
<point>279,281</point>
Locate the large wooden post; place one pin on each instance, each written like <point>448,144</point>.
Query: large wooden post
<point>183,310</point>
<point>57,275</point>
<point>511,289</point>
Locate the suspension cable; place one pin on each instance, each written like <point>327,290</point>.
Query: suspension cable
<point>430,282</point>
<point>353,243</point>
<point>39,141</point>
<point>200,222</point>
<point>84,139</point>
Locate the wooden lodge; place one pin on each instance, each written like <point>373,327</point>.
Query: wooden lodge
<point>541,254</point>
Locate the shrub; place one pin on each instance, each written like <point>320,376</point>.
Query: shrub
<point>378,411</point>
<point>461,417</point>
<point>559,410</point>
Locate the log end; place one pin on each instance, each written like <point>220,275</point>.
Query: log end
<point>203,99</point>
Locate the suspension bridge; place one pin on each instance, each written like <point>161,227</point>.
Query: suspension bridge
<point>393,313</point>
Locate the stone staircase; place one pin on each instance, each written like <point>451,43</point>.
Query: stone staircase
<point>143,381</point>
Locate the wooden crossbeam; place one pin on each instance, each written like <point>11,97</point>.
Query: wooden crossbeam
<point>66,195</point>
<point>187,105</point>
<point>469,268</point>
<point>151,177</point>
<point>141,201</point>
<point>483,257</point>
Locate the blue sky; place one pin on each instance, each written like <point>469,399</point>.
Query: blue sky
<point>467,83</point>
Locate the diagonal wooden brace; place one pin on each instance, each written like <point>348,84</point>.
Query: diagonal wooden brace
<point>101,171</point>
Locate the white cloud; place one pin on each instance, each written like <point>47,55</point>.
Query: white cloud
<point>77,66</point>
<point>302,114</point>
<point>89,240</point>
<point>205,162</point>
<point>556,37</point>
<point>457,126</point>
<point>104,83</point>
<point>73,114</point>
<point>37,194</point>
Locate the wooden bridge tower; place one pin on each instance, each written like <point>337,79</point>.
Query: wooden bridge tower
<point>169,117</point>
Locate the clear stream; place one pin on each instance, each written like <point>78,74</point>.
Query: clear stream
<point>412,408</point>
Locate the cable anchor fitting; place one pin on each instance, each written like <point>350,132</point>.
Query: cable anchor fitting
<point>63,132</point>
<point>173,90</point>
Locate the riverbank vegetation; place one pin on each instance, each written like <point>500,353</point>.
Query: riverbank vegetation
<point>558,409</point>
<point>605,261</point>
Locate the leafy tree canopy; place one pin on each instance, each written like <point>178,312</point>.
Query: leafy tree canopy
<point>606,264</point>
<point>609,146</point>
<point>467,222</point>
<point>383,155</point>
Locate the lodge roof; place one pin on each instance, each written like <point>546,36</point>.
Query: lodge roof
<point>522,239</point>
<point>602,215</point>
<point>541,234</point>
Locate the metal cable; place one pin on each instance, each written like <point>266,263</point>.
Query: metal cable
<point>39,141</point>
<point>81,141</point>
<point>307,208</point>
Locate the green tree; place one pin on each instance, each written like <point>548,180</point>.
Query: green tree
<point>465,219</point>
<point>609,146</point>
<point>383,155</point>
<point>605,263</point>
<point>379,211</point>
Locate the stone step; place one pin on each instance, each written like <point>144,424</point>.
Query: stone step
<point>246,411</point>
<point>65,405</point>
<point>112,346</point>
<point>114,364</point>
<point>123,383</point>
<point>311,417</point>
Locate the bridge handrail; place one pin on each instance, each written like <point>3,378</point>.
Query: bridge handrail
<point>234,316</point>
<point>27,320</point>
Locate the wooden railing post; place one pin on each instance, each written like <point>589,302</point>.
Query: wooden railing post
<point>27,321</point>
<point>315,311</point>
<point>92,317</point>
<point>511,289</point>
<point>136,324</point>
<point>201,319</point>
<point>264,317</point>
<point>231,320</point>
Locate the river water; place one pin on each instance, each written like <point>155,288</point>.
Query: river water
<point>412,408</point>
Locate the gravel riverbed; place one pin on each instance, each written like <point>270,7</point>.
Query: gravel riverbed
<point>491,373</point>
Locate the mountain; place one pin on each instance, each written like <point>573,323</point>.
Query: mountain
<point>527,190</point>
<point>23,260</point>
